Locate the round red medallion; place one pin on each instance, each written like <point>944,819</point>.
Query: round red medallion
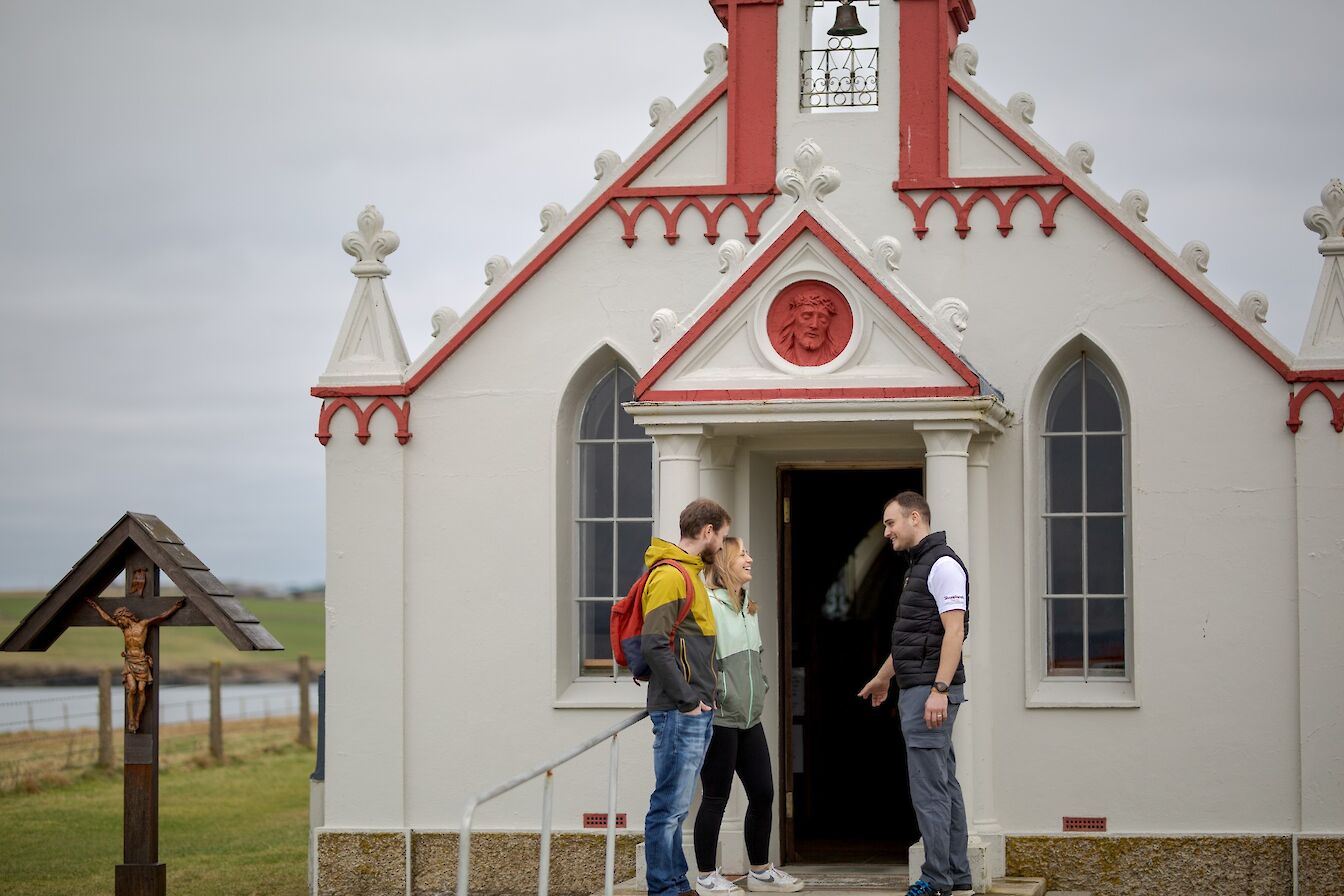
<point>809,323</point>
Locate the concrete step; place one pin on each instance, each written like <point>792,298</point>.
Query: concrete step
<point>1017,886</point>
<point>863,882</point>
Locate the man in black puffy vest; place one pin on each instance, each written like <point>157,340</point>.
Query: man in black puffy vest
<point>925,660</point>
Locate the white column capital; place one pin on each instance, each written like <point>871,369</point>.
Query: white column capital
<point>677,442</point>
<point>978,452</point>
<point>719,453</point>
<point>946,439</point>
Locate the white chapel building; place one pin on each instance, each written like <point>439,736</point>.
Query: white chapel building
<point>837,270</point>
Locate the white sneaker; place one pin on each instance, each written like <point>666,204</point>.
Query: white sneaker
<point>772,880</point>
<point>716,884</point>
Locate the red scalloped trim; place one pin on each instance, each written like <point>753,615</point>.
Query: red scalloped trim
<point>1296,401</point>
<point>672,217</point>
<point>362,417</point>
<point>963,209</point>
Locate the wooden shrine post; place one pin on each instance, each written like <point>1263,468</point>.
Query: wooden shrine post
<point>140,547</point>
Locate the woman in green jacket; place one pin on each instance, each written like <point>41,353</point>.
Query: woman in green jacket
<point>738,744</point>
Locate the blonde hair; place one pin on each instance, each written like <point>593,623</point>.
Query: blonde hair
<point>722,573</point>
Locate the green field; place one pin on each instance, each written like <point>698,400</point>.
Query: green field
<point>237,829</point>
<point>296,624</point>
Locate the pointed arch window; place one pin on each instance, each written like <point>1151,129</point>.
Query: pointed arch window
<point>613,514</point>
<point>1088,601</point>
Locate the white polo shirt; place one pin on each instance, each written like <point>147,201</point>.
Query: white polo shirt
<point>947,584</point>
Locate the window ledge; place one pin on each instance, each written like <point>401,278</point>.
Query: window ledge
<point>1083,695</point>
<point>602,693</point>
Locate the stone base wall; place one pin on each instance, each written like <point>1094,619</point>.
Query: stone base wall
<point>360,863</point>
<point>1245,865</point>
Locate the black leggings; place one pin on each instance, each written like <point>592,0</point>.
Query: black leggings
<point>745,752</point>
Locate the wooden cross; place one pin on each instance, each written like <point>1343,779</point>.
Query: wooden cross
<point>140,547</point>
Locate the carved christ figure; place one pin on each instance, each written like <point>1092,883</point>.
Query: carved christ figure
<point>137,673</point>
<point>806,336</point>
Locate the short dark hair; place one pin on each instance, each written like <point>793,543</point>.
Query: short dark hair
<point>909,502</point>
<point>700,513</point>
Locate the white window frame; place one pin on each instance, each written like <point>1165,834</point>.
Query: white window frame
<point>1045,691</point>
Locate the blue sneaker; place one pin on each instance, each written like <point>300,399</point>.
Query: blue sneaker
<point>922,887</point>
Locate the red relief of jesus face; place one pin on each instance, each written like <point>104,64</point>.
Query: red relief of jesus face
<point>809,323</point>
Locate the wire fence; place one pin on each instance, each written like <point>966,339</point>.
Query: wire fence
<point>50,738</point>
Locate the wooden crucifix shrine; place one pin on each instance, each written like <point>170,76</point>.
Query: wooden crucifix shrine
<point>140,547</point>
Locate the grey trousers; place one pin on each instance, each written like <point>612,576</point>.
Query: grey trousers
<point>939,807</point>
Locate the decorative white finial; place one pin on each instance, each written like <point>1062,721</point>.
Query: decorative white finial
<point>1196,255</point>
<point>495,269</point>
<point>1022,107</point>
<point>731,255</point>
<point>1327,219</point>
<point>887,249</point>
<point>443,320</point>
<point>661,111</point>
<point>1081,156</point>
<point>953,317</point>
<point>370,245</point>
<point>605,164</point>
<point>1255,306</point>
<point>552,213</point>
<point>964,60</point>
<point>810,179</point>
<point>663,324</point>
<point>716,57</point>
<point>1135,204</point>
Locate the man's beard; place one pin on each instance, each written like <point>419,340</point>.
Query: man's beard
<point>708,556</point>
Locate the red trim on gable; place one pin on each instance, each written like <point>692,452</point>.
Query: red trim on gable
<point>1176,276</point>
<point>674,133</point>
<point>362,416</point>
<point>1295,403</point>
<point>1006,207</point>
<point>805,224</point>
<point>672,217</point>
<point>777,394</point>
<point>338,391</point>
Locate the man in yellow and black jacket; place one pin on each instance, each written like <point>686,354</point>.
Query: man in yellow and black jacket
<point>682,684</point>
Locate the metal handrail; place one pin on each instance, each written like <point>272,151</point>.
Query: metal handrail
<point>547,769</point>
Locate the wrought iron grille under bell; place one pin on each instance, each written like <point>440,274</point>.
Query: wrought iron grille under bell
<point>846,21</point>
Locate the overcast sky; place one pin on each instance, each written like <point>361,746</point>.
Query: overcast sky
<point>178,176</point>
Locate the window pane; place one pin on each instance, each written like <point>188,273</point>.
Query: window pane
<point>634,496</point>
<point>595,480</point>
<point>595,638</point>
<point>1103,406</point>
<point>1064,557</point>
<point>1106,637</point>
<point>626,427</point>
<point>1105,555</point>
<point>1064,632</point>
<point>1105,474</point>
<point>1066,402</point>
<point>600,411</point>
<point>1064,472</point>
<point>632,540</point>
<point>595,560</point>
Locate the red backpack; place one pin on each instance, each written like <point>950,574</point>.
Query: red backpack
<point>627,622</point>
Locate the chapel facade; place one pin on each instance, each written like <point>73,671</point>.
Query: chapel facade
<point>840,269</point>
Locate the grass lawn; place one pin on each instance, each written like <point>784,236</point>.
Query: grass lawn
<point>296,624</point>
<point>237,829</point>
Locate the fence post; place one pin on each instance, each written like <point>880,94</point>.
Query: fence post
<point>105,718</point>
<point>216,714</point>
<point>305,722</point>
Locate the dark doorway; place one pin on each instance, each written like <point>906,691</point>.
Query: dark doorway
<point>843,765</point>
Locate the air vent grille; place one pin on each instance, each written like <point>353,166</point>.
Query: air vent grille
<point>1085,823</point>
<point>599,819</point>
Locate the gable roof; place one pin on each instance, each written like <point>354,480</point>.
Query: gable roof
<point>808,183</point>
<point>208,599</point>
<point>1128,226</point>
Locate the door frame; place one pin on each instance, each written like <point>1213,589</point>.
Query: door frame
<point>784,542</point>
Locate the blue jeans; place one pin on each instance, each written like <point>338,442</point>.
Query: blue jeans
<point>679,744</point>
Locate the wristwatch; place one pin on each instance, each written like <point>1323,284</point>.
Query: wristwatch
<point>940,686</point>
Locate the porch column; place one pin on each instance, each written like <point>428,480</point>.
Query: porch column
<point>947,489</point>
<point>678,474</point>
<point>718,469</point>
<point>983,818</point>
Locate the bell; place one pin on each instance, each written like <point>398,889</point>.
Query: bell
<point>846,21</point>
